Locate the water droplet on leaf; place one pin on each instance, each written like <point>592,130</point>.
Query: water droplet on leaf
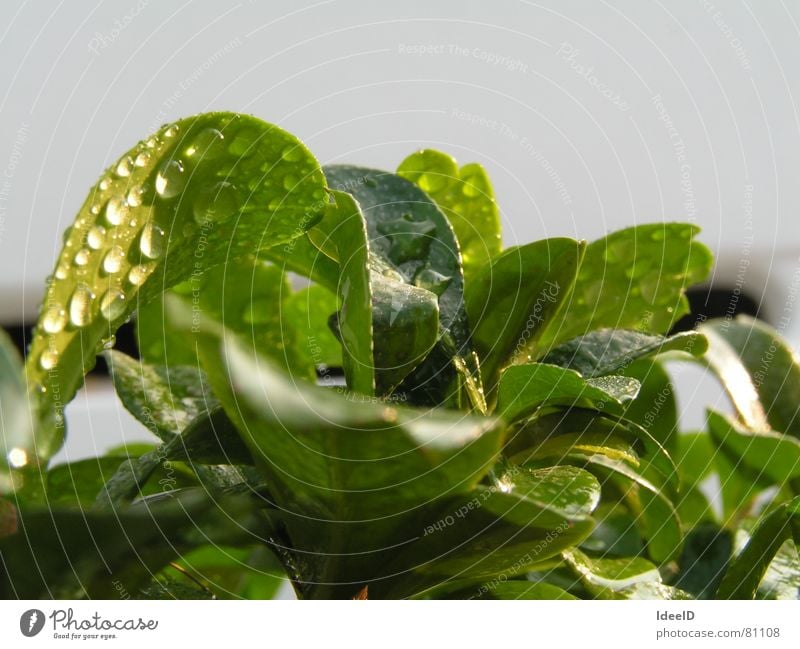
<point>138,274</point>
<point>80,306</point>
<point>116,211</point>
<point>82,257</point>
<point>170,180</point>
<point>54,319</point>
<point>207,145</point>
<point>124,166</point>
<point>96,237</point>
<point>112,262</point>
<point>151,242</point>
<point>49,359</point>
<point>112,304</point>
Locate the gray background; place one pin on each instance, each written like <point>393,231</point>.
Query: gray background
<point>589,116</point>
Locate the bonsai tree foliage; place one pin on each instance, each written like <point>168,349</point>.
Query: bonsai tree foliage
<point>429,416</point>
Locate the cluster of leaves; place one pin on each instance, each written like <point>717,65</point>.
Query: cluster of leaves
<point>504,426</point>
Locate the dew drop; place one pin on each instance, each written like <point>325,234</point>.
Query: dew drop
<point>103,184</point>
<point>289,182</point>
<point>430,182</point>
<point>112,304</point>
<point>95,209</point>
<point>207,145</point>
<point>80,306</point>
<point>135,196</point>
<point>96,237</point>
<point>218,203</point>
<point>244,143</point>
<point>172,130</point>
<point>142,159</point>
<point>62,270</point>
<point>170,180</point>
<point>470,190</point>
<point>54,319</point>
<point>292,153</point>
<point>123,169</point>
<point>49,359</point>
<point>151,242</point>
<point>108,343</point>
<point>138,274</point>
<point>82,257</point>
<point>151,143</point>
<point>116,211</point>
<point>112,262</point>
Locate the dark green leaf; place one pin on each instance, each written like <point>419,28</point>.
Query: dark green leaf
<point>73,553</point>
<point>466,197</point>
<point>164,399</point>
<point>746,571</point>
<point>522,519</point>
<point>412,242</point>
<point>608,351</point>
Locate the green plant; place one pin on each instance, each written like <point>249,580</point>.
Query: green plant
<point>505,427</point>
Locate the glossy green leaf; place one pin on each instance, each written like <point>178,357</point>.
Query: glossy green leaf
<point>466,197</point>
<point>165,400</point>
<point>764,453</point>
<point>512,299</point>
<point>520,520</point>
<point>617,450</point>
<point>525,388</point>
<point>631,578</point>
<point>347,231</point>
<point>406,322</point>
<point>199,192</point>
<point>211,438</point>
<point>441,452</point>
<point>306,312</point>
<point>696,460</point>
<point>347,464</point>
<point>607,351</point>
<point>760,372</point>
<point>633,279</point>
<point>655,407</point>
<point>746,571</point>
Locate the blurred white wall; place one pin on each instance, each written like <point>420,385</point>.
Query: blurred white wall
<point>589,115</point>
